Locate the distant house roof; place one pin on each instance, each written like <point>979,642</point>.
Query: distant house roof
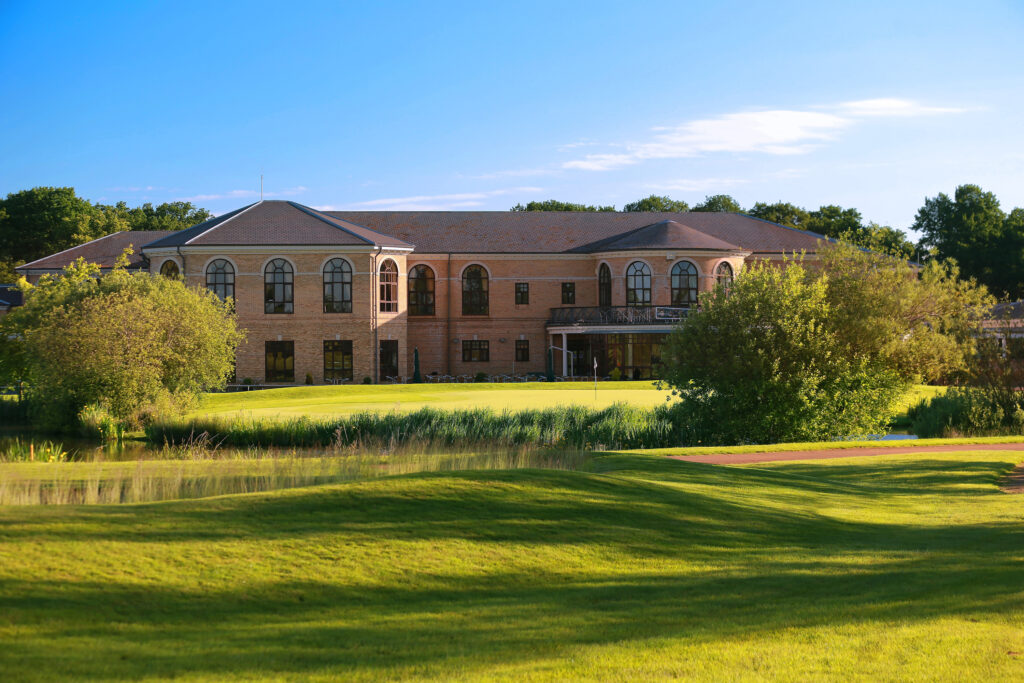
<point>103,251</point>
<point>271,223</point>
<point>10,296</point>
<point>570,231</point>
<point>666,234</point>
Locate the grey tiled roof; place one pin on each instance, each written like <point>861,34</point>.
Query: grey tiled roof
<point>567,231</point>
<point>666,234</point>
<point>103,251</point>
<point>270,223</point>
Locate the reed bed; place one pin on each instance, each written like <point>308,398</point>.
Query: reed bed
<point>618,426</point>
<point>89,483</point>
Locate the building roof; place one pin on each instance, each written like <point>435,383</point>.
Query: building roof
<point>103,251</point>
<point>10,296</point>
<point>567,231</point>
<point>666,234</point>
<point>273,223</point>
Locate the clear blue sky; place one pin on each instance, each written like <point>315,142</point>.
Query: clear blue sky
<point>473,105</point>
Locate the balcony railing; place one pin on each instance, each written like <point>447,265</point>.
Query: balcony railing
<point>617,315</point>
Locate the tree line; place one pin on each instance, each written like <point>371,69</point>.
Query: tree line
<point>44,220</point>
<point>970,227</point>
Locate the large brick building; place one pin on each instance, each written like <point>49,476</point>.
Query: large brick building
<point>343,295</point>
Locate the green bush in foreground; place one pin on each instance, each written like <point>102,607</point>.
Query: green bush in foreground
<point>619,426</point>
<point>806,353</point>
<point>969,411</point>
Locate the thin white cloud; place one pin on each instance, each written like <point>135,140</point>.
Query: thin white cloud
<point>245,194</point>
<point>699,184</point>
<point>892,107</point>
<point>439,202</point>
<point>778,132</point>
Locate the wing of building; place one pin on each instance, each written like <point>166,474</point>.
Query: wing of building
<point>345,295</point>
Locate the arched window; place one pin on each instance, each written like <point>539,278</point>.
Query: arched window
<point>337,286</point>
<point>684,284</point>
<point>604,285</point>
<point>638,284</point>
<point>169,269</point>
<point>388,287</point>
<point>278,296</point>
<point>421,291</point>
<point>475,299</point>
<point>220,278</point>
<point>723,274</point>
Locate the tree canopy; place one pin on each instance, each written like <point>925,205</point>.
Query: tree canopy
<point>657,203</point>
<point>721,203</point>
<point>555,205</point>
<point>972,228</point>
<point>126,343</point>
<point>818,353</point>
<point>44,220</point>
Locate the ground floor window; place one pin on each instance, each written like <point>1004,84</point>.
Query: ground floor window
<point>522,350</point>
<point>475,350</point>
<point>635,356</point>
<point>388,357</point>
<point>280,361</point>
<point>337,360</point>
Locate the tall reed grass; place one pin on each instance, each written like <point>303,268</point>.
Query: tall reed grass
<point>75,483</point>
<point>618,426</point>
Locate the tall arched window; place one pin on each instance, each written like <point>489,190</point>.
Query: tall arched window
<point>421,291</point>
<point>475,299</point>
<point>220,278</point>
<point>278,296</point>
<point>604,285</point>
<point>388,287</point>
<point>638,284</point>
<point>169,269</point>
<point>723,274</point>
<point>684,284</point>
<point>337,286</point>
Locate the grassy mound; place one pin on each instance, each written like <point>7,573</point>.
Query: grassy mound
<point>889,567</point>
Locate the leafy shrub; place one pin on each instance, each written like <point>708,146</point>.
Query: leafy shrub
<point>480,377</point>
<point>309,378</point>
<point>615,375</point>
<point>367,380</point>
<point>96,422</point>
<point>969,411</point>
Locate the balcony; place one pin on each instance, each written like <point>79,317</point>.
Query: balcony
<point>590,316</point>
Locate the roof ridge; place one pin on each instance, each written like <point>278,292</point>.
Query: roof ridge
<point>223,222</point>
<point>64,251</point>
<point>330,221</point>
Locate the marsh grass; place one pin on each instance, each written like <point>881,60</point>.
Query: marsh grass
<point>618,426</point>
<point>188,472</point>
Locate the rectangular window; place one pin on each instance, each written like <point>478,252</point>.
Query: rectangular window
<point>280,361</point>
<point>522,293</point>
<point>337,360</point>
<point>522,350</point>
<point>476,350</point>
<point>568,293</point>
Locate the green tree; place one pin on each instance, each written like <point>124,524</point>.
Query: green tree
<point>782,213</point>
<point>657,203</point>
<point>44,220</point>
<point>166,216</point>
<point>817,353</point>
<point>129,343</point>
<point>971,228</point>
<point>721,203</point>
<point>555,205</point>
<point>834,221</point>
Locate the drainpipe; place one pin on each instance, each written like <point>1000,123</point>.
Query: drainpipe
<point>375,351</point>
<point>448,320</point>
<point>177,247</point>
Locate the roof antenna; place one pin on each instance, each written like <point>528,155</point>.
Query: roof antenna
<point>261,187</point>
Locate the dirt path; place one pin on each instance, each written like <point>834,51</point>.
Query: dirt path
<point>1014,481</point>
<point>821,454</point>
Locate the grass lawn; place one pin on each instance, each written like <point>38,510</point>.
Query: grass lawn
<point>882,568</point>
<point>332,401</point>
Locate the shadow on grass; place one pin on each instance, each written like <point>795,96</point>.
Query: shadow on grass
<point>753,566</point>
